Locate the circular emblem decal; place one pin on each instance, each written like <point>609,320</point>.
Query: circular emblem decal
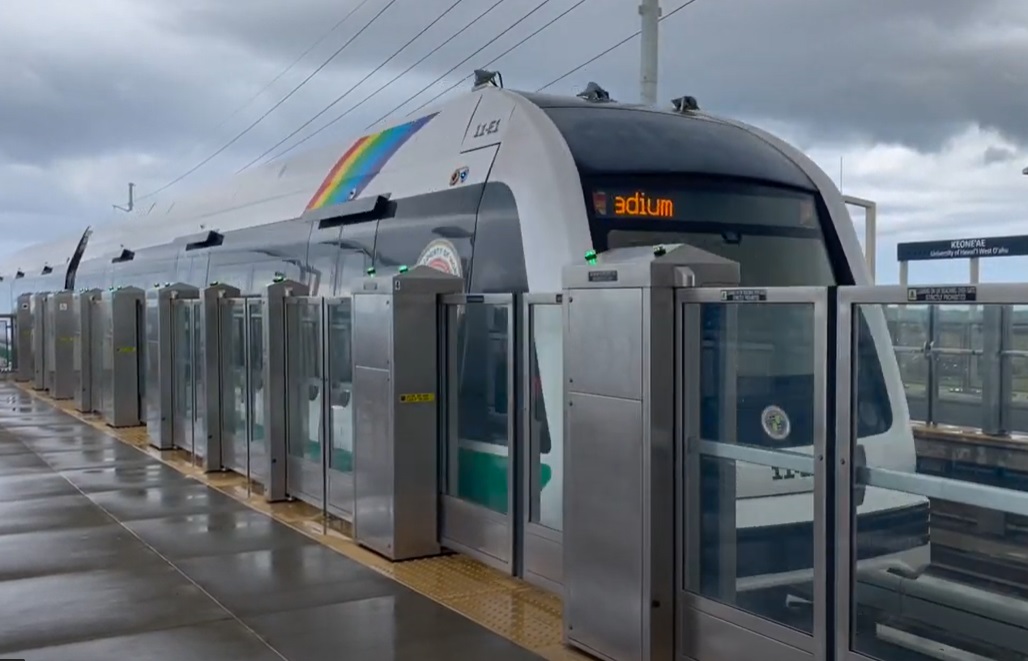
<point>775,423</point>
<point>442,256</point>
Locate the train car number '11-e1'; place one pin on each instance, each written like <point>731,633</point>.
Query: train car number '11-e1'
<point>787,474</point>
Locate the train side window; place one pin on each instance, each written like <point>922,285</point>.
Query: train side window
<point>234,275</point>
<point>498,261</point>
<point>321,275</point>
<point>192,270</point>
<point>873,410</point>
<point>265,273</point>
<point>352,266</point>
<point>443,222</point>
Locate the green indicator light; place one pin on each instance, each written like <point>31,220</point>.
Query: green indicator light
<point>403,269</point>
<point>371,270</point>
<point>590,256</point>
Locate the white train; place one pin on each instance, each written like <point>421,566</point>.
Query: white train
<point>504,188</point>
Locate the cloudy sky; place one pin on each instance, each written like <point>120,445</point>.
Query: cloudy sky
<point>924,101</point>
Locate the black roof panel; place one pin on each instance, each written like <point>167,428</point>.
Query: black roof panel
<point>612,138</point>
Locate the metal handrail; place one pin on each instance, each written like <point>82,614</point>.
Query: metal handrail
<point>986,358</point>
<point>946,489</point>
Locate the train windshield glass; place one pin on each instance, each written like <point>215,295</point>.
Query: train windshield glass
<point>774,234</point>
<point>776,237</point>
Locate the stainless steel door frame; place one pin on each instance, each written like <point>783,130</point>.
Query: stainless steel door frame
<point>235,446</point>
<point>305,478</point>
<point>542,546</point>
<point>257,450</point>
<point>467,527</point>
<point>184,372</point>
<point>9,340</point>
<point>339,481</point>
<point>941,605</point>
<point>84,393</point>
<point>39,322</point>
<point>50,343</point>
<point>98,312</point>
<point>709,629</point>
<point>200,382</point>
<point>26,352</point>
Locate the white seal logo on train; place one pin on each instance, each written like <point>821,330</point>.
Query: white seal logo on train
<point>775,422</point>
<point>442,256</point>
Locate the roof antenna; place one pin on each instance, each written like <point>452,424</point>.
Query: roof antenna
<point>594,93</point>
<point>484,77</point>
<point>684,104</point>
<point>131,203</point>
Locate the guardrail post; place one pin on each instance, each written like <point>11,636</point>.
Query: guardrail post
<point>932,387</point>
<point>1006,369</point>
<point>991,357</point>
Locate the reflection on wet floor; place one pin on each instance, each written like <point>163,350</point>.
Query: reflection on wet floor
<point>109,551</point>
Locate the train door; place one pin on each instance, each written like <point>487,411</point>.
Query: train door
<point>98,361</point>
<point>542,439</point>
<point>39,318</point>
<point>257,446</point>
<point>752,568</point>
<point>478,496</point>
<point>188,401</point>
<point>305,399</point>
<point>339,406</point>
<point>242,395</point>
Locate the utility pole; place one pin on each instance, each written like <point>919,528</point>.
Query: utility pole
<point>649,12</point>
<point>131,200</point>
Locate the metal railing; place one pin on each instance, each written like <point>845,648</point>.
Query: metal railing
<point>974,525</point>
<point>964,367</point>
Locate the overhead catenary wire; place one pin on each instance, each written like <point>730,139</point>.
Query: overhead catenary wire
<point>403,73</point>
<point>345,94</point>
<point>274,107</point>
<point>612,48</point>
<point>503,54</point>
<point>293,64</point>
<point>462,62</point>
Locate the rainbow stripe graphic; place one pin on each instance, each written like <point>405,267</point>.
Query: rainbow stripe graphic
<point>362,161</point>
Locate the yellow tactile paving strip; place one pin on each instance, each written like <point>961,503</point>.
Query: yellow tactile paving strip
<point>512,608</point>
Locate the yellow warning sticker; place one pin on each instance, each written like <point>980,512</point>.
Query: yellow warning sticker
<point>417,397</point>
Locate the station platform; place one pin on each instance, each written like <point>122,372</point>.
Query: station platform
<point>113,551</point>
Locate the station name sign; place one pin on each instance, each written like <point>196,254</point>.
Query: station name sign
<point>996,246</point>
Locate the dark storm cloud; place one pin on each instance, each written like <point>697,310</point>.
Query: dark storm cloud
<point>995,154</point>
<point>116,90</point>
<point>65,105</point>
<point>912,72</point>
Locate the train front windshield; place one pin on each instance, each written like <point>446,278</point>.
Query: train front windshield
<point>776,237</point>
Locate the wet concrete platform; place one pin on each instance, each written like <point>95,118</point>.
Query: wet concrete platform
<point>106,553</point>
